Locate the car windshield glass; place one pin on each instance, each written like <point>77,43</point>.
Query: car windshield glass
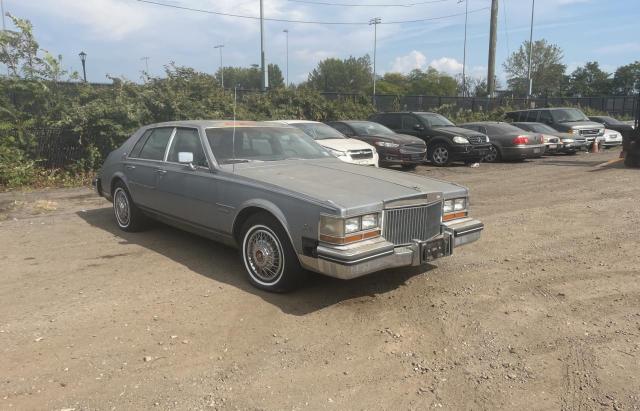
<point>262,144</point>
<point>541,128</point>
<point>319,131</point>
<point>366,128</point>
<point>568,115</point>
<point>436,120</point>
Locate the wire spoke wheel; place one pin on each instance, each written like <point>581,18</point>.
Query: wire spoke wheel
<point>440,155</point>
<point>121,207</point>
<point>263,255</point>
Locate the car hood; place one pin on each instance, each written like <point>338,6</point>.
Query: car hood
<point>399,138</point>
<point>344,144</point>
<point>457,131</point>
<point>344,185</point>
<point>582,124</point>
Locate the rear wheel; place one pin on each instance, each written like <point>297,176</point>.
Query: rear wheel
<point>440,155</point>
<point>270,261</point>
<point>128,215</point>
<point>493,155</point>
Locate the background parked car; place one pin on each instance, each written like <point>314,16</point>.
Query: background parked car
<point>445,141</point>
<point>568,144</point>
<point>611,123</point>
<point>567,120</point>
<point>349,150</point>
<point>393,148</point>
<point>610,139</point>
<point>508,142</point>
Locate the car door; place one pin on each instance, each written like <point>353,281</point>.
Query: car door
<point>144,164</point>
<point>411,125</point>
<point>188,192</point>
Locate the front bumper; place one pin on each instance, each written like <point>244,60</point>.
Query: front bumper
<point>469,151</point>
<point>376,255</point>
<point>395,157</point>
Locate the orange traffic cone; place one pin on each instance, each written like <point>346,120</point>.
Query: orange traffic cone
<point>594,146</point>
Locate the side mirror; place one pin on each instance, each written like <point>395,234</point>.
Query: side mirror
<point>418,127</point>
<point>185,157</point>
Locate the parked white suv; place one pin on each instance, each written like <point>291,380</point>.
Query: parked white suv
<point>346,149</point>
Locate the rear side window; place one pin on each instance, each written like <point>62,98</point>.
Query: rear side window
<point>390,120</point>
<point>156,144</point>
<point>138,146</point>
<point>187,140</point>
<point>532,116</point>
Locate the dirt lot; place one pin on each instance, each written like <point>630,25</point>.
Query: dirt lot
<point>542,313</point>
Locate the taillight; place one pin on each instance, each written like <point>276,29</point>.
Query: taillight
<point>521,140</point>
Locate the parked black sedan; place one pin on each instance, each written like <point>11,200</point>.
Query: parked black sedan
<point>393,148</point>
<point>613,124</point>
<point>508,142</point>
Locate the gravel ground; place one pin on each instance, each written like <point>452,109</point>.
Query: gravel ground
<point>542,313</point>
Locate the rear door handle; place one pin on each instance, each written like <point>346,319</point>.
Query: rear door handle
<point>161,171</point>
<point>129,167</point>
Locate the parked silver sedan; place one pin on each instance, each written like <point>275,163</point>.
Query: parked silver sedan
<point>508,142</point>
<point>284,200</point>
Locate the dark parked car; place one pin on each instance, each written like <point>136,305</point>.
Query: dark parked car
<point>283,200</point>
<point>508,142</point>
<point>568,144</point>
<point>393,148</point>
<point>567,120</point>
<point>613,124</point>
<point>445,141</point>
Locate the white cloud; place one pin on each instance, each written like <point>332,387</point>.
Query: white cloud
<point>411,61</point>
<point>447,64</point>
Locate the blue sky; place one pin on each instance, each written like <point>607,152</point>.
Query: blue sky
<point>116,34</point>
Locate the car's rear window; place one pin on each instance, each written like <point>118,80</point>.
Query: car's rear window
<point>244,144</point>
<point>156,144</point>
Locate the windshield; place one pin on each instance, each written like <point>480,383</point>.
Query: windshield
<point>319,131</point>
<point>262,144</point>
<point>568,115</point>
<point>436,120</point>
<point>366,128</point>
<point>541,128</point>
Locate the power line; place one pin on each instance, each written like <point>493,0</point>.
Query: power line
<point>333,23</point>
<point>323,3</point>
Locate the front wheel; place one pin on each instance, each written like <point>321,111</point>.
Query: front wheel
<point>493,155</point>
<point>440,155</point>
<point>270,261</point>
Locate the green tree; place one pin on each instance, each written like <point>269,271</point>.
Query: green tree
<point>589,80</point>
<point>392,83</point>
<point>626,79</point>
<point>351,75</point>
<point>431,82</point>
<point>250,78</point>
<point>547,69</point>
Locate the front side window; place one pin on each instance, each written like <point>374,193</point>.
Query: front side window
<point>156,144</point>
<point>319,131</point>
<point>248,144</point>
<point>436,120</point>
<point>545,117</point>
<point>187,140</point>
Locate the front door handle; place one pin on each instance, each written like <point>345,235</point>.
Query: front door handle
<point>161,171</point>
<point>130,167</point>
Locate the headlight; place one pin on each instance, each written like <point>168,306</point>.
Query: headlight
<point>460,140</point>
<point>386,144</point>
<point>487,138</point>
<point>575,131</point>
<point>568,140</point>
<point>336,230</point>
<point>453,209</point>
<point>336,153</point>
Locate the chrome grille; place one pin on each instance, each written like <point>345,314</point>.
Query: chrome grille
<point>413,149</point>
<point>403,225</point>
<point>360,154</point>
<point>589,132</point>
<point>477,139</point>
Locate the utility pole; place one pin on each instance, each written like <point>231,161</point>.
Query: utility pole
<point>464,53</point>
<point>533,6</point>
<point>263,68</point>
<point>491,73</point>
<point>146,64</point>
<point>375,21</point>
<point>83,59</point>
<point>286,32</point>
<point>220,47</point>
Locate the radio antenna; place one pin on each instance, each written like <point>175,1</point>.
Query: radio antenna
<point>233,135</point>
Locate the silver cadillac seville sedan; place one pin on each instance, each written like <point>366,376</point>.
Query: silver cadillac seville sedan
<point>284,200</point>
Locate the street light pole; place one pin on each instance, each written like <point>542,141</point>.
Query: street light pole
<point>375,21</point>
<point>146,64</point>
<point>220,47</point>
<point>464,53</point>
<point>533,6</point>
<point>263,68</point>
<point>83,59</point>
<point>286,32</point>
